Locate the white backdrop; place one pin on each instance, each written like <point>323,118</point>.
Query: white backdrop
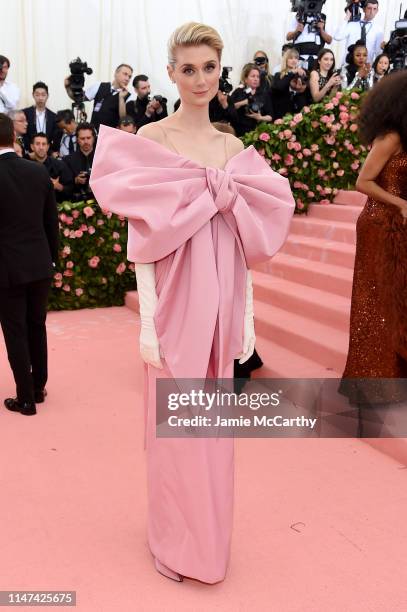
<point>40,37</point>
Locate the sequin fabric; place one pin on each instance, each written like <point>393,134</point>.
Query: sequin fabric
<point>377,345</point>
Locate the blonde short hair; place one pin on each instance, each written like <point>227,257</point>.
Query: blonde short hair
<point>290,53</point>
<point>192,34</point>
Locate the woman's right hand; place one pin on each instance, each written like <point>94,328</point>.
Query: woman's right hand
<point>149,345</point>
<point>334,81</point>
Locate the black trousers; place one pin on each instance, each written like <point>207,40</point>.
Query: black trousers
<point>23,311</point>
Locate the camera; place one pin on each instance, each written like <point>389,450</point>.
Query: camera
<point>303,78</point>
<point>396,48</point>
<point>260,61</point>
<point>76,80</point>
<point>309,12</point>
<point>225,85</point>
<point>355,9</point>
<point>160,99</point>
<point>254,105</point>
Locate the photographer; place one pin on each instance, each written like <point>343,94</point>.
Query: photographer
<point>80,162</point>
<point>365,30</point>
<point>57,169</point>
<point>106,96</point>
<point>20,124</point>
<point>357,72</point>
<point>262,62</point>
<point>324,79</point>
<point>290,86</point>
<point>381,67</point>
<point>39,117</point>
<point>66,143</point>
<point>139,106</point>
<point>9,92</point>
<point>251,103</point>
<point>308,34</point>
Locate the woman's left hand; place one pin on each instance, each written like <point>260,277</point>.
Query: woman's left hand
<point>253,115</point>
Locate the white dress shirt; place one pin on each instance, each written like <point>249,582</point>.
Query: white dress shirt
<point>9,97</point>
<point>6,150</point>
<point>351,32</point>
<point>41,120</point>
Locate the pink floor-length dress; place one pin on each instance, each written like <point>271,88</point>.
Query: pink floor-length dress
<point>203,228</point>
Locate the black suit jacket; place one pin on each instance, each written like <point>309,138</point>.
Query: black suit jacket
<point>29,228</point>
<point>51,128</point>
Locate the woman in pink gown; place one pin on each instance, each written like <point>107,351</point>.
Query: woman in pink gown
<point>201,212</point>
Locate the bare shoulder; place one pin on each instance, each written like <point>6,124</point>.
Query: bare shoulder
<point>390,143</point>
<point>152,131</point>
<point>234,144</point>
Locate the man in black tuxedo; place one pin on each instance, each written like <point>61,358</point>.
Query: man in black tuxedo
<point>40,118</point>
<point>80,162</point>
<point>28,247</point>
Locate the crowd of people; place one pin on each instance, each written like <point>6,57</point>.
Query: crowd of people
<point>308,73</point>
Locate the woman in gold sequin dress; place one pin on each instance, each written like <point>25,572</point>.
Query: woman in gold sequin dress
<point>378,329</point>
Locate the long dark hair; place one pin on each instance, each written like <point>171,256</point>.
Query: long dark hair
<point>320,55</point>
<point>384,109</point>
<point>377,60</point>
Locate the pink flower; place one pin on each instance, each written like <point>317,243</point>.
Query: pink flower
<point>307,152</point>
<point>289,160</point>
<point>325,119</point>
<point>328,189</point>
<point>306,109</point>
<point>84,227</point>
<point>292,123</point>
<point>353,127</point>
<point>261,152</point>
<point>69,264</point>
<point>58,276</point>
<point>68,273</point>
<point>66,250</point>
<point>276,157</point>
<point>297,185</point>
<point>330,140</point>
<point>121,268</point>
<point>91,229</point>
<point>264,136</point>
<point>305,164</point>
<point>317,157</point>
<point>297,146</point>
<point>278,122</point>
<point>116,235</point>
<point>329,106</point>
<point>298,117</point>
<point>355,165</point>
<point>319,188</point>
<point>117,248</point>
<point>315,124</point>
<point>354,95</point>
<point>120,217</point>
<point>66,288</point>
<point>335,165</point>
<point>66,232</point>
<point>281,135</point>
<point>339,95</point>
<point>333,154</point>
<point>100,222</point>
<point>62,216</point>
<point>321,172</point>
<point>75,214</point>
<point>287,134</point>
<point>324,202</point>
<point>340,172</point>
<point>58,284</point>
<point>79,292</point>
<point>282,171</point>
<point>131,267</point>
<point>314,147</point>
<point>300,204</point>
<point>290,145</point>
<point>311,194</point>
<point>72,234</point>
<point>88,211</point>
<point>78,233</point>
<point>343,108</point>
<point>344,116</point>
<point>300,156</point>
<point>94,261</point>
<point>68,220</point>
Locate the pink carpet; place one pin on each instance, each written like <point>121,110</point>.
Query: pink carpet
<point>319,524</point>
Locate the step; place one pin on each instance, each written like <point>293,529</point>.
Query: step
<point>313,340</point>
<point>335,279</point>
<point>350,198</point>
<point>334,212</point>
<point>317,304</point>
<point>280,362</point>
<point>340,231</point>
<point>131,301</point>
<point>321,250</point>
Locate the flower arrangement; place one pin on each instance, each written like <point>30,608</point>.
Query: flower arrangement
<point>318,150</point>
<point>92,269</point>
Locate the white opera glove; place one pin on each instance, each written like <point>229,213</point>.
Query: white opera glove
<point>149,345</point>
<point>249,337</point>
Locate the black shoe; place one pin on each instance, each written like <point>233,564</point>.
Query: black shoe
<point>26,408</point>
<point>40,395</point>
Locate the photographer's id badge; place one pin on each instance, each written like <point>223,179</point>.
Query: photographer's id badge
<point>97,106</point>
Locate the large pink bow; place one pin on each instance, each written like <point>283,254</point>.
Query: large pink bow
<point>172,205</point>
